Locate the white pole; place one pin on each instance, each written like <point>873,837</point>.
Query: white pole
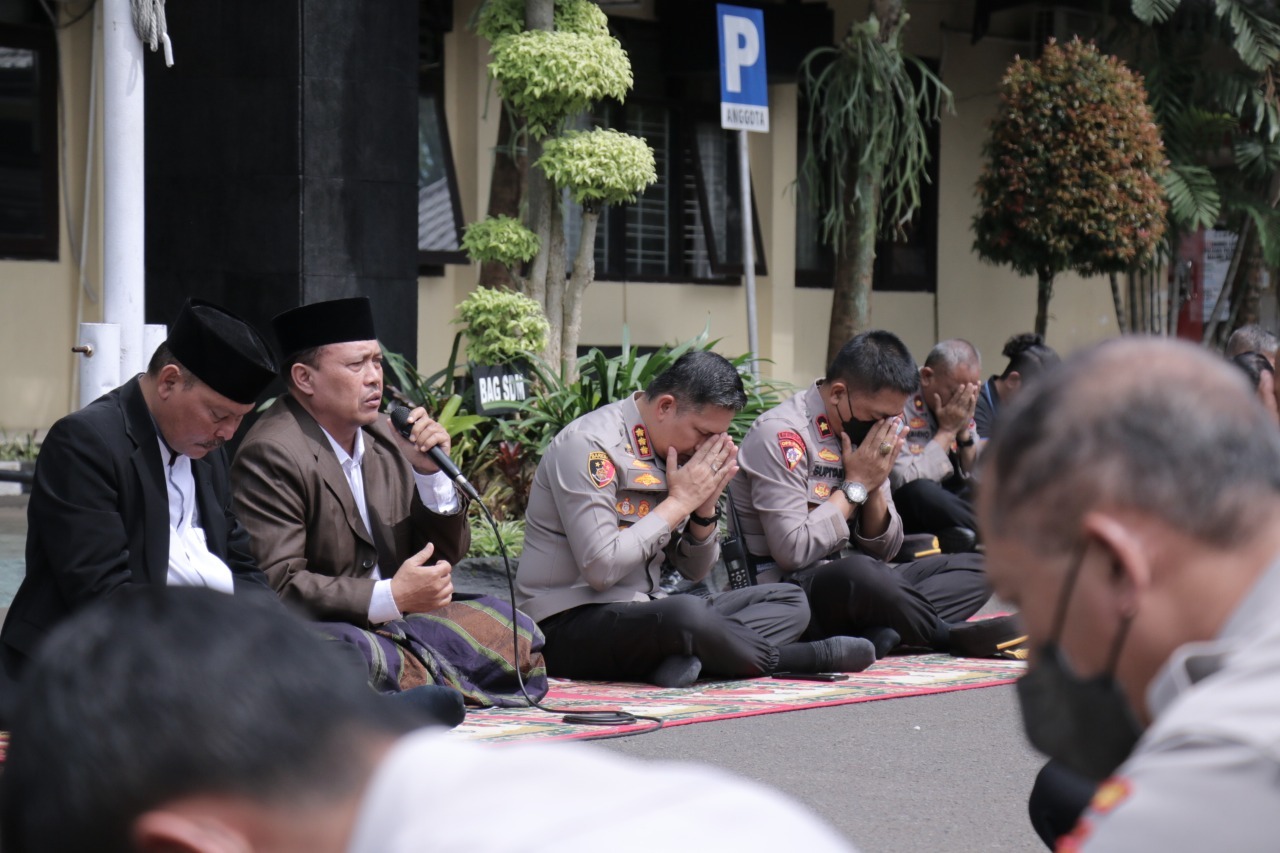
<point>748,252</point>
<point>99,371</point>
<point>123,225</point>
<point>153,335</point>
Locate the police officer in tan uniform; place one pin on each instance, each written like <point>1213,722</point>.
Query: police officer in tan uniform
<point>815,509</point>
<point>1135,516</point>
<point>619,492</point>
<point>931,478</point>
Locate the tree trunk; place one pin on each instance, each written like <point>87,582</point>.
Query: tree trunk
<point>505,189</point>
<point>584,272</point>
<point>1044,293</point>
<point>539,15</point>
<point>556,281</point>
<point>855,262</point>
<point>1116,300</point>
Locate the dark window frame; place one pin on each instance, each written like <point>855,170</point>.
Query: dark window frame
<point>685,115</point>
<point>431,262</point>
<point>44,246</point>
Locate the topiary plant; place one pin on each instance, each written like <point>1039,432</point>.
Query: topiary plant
<point>500,239</point>
<point>1074,167</point>
<point>553,60</point>
<point>502,326</point>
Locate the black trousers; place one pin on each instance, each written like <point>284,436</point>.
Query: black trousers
<point>734,633</point>
<point>855,595</point>
<point>927,506</point>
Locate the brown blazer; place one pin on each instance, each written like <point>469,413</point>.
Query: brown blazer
<point>304,528</point>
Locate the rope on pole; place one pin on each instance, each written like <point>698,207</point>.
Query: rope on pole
<point>151,27</point>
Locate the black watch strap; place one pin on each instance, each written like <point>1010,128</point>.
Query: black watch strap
<point>706,522</point>
<point>968,443</point>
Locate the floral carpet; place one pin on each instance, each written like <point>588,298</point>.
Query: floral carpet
<point>705,701</point>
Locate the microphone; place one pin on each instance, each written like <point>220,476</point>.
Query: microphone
<point>400,420</point>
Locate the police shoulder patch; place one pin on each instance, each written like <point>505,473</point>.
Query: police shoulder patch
<point>600,468</point>
<point>824,426</point>
<point>792,447</point>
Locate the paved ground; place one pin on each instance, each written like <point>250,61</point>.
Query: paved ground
<point>919,775</point>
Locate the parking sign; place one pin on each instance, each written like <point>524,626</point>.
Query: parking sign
<point>744,87</point>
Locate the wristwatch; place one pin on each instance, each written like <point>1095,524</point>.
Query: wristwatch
<point>968,442</point>
<point>706,522</point>
<point>855,492</point>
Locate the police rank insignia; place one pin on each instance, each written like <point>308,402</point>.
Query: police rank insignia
<point>600,468</point>
<point>641,435</point>
<point>824,426</point>
<point>792,446</point>
<point>918,402</point>
<point>828,455</point>
<point>647,480</point>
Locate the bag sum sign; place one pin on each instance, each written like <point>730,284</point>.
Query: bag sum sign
<point>498,388</point>
<point>744,84</point>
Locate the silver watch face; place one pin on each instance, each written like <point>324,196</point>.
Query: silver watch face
<point>855,492</point>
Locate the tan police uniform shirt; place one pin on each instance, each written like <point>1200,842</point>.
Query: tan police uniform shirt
<point>921,456</point>
<point>790,461</point>
<point>591,535</point>
<point>1206,774</point>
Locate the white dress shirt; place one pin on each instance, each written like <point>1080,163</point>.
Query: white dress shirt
<point>436,491</point>
<point>190,561</point>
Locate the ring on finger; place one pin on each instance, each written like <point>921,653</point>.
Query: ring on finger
<point>885,448</point>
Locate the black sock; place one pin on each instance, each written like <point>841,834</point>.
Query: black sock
<point>834,654</point>
<point>885,640</point>
<point>677,671</point>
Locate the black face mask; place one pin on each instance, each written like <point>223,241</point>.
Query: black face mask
<point>1085,724</point>
<point>857,430</point>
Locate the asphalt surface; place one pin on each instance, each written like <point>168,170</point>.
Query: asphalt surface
<point>923,774</point>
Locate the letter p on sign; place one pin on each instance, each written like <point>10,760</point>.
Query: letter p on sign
<point>744,84</point>
<point>741,47</point>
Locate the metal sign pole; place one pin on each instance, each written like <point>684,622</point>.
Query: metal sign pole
<point>748,252</point>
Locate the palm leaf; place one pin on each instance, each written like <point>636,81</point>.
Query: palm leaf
<point>1154,11</point>
<point>1194,199</point>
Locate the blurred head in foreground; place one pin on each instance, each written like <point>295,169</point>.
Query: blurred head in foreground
<point>183,719</point>
<point>1130,502</point>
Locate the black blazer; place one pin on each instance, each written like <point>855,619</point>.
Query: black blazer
<point>98,519</point>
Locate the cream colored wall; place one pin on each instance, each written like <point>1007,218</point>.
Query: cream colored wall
<point>38,299</point>
<point>983,303</point>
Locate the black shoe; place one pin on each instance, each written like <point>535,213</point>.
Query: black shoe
<point>957,540</point>
<point>1000,637</point>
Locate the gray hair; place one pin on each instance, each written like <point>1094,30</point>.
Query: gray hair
<point>1251,338</point>
<point>1148,424</point>
<point>951,353</point>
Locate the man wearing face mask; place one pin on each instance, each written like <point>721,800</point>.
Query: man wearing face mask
<point>813,506</point>
<point>1132,515</point>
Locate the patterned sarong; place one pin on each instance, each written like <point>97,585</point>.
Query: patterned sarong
<point>466,645</point>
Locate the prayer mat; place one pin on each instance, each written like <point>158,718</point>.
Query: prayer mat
<point>706,701</point>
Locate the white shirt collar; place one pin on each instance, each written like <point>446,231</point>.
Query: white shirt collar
<point>345,458</point>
